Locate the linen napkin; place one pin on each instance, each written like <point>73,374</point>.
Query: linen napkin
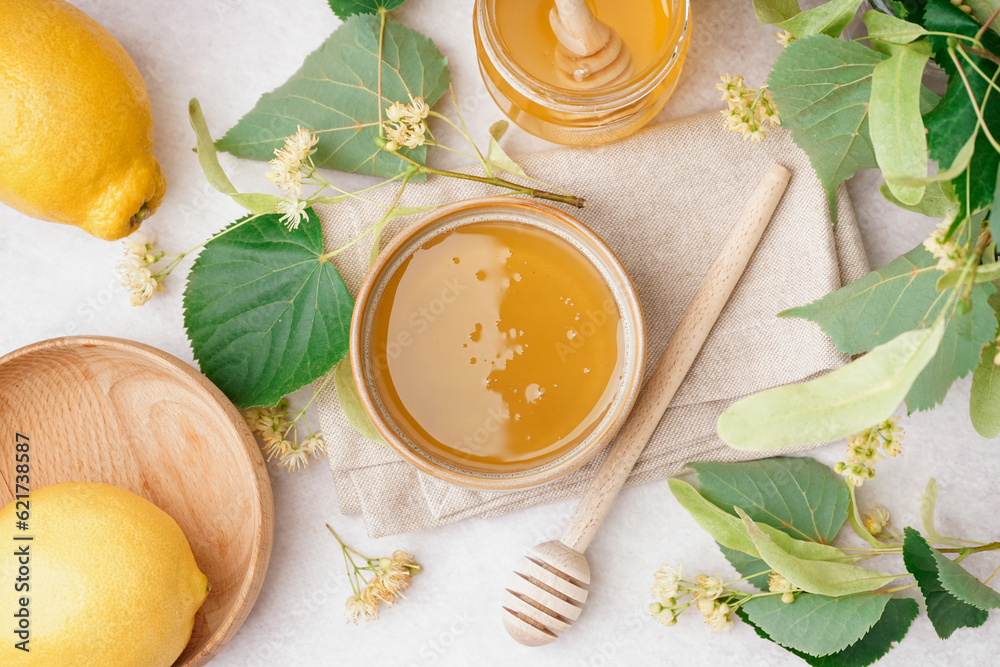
<point>664,200</point>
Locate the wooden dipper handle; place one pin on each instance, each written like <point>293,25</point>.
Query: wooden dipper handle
<point>676,361</point>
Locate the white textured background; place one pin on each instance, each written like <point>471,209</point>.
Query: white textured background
<point>57,281</point>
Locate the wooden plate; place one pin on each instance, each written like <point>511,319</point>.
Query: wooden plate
<point>111,410</point>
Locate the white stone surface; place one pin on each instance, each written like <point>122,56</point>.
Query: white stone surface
<point>58,281</point>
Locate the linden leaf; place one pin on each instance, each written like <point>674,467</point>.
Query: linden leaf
<point>865,392</point>
<point>945,610</point>
<point>350,401</point>
<point>816,624</point>
<point>890,629</point>
<point>335,94</point>
<point>830,18</point>
<point>798,495</point>
<point>935,203</point>
<point>813,576</point>
<point>984,403</point>
<point>775,11</point>
<point>208,159</point>
<point>496,156</point>
<point>823,88</point>
<point>887,28</point>
<point>900,297</point>
<point>897,130</point>
<point>346,8</point>
<point>265,313</point>
<point>726,529</point>
<point>954,120</point>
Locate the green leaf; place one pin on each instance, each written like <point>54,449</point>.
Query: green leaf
<point>823,87</point>
<point>957,581</point>
<point>865,392</point>
<point>496,155</point>
<point>726,529</point>
<point>995,217</point>
<point>820,577</point>
<point>902,297</point>
<point>798,495</point>
<point>888,28</point>
<point>830,18</point>
<point>946,612</point>
<point>935,203</point>
<point>986,273</point>
<point>264,313</point>
<point>957,168</point>
<point>982,10</point>
<point>345,8</point>
<point>984,403</point>
<point>897,130</point>
<point>350,401</point>
<point>816,624</point>
<point>208,158</point>
<point>926,505</point>
<point>953,121</point>
<point>775,11</point>
<point>748,566</point>
<point>335,94</point>
<point>890,629</point>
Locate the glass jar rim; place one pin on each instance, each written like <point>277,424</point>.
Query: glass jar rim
<point>568,101</point>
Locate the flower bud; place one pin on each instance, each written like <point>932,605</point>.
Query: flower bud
<point>788,597</point>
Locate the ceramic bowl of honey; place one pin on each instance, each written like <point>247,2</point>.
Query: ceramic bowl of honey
<point>497,343</point>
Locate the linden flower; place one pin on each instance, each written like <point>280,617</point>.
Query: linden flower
<point>876,519</point>
<point>664,615</point>
<point>711,587</point>
<point>134,269</point>
<point>278,428</point>
<point>866,448</point>
<point>949,254</point>
<point>391,576</point>
<point>784,37</point>
<point>856,473</point>
<point>751,112</point>
<point>284,176</point>
<point>286,167</point>
<point>667,582</point>
<point>293,212</point>
<point>719,620</point>
<point>778,584</point>
<point>361,607</point>
<point>301,144</point>
<point>406,124</point>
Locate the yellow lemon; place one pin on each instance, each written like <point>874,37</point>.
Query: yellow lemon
<point>107,580</point>
<point>76,132</point>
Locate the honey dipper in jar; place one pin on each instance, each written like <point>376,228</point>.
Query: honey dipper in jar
<point>590,54</point>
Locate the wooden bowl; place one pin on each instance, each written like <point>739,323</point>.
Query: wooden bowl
<point>115,411</point>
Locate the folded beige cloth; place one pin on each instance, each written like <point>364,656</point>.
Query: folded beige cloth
<point>664,200</point>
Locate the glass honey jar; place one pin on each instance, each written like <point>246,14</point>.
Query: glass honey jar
<point>517,51</point>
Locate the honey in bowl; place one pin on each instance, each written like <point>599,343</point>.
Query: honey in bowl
<point>497,345</point>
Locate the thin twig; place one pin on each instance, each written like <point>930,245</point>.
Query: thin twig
<point>986,25</point>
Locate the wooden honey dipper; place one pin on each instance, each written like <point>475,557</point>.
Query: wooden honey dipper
<point>546,594</point>
<point>590,53</point>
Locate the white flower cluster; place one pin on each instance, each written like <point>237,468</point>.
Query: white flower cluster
<point>135,272</point>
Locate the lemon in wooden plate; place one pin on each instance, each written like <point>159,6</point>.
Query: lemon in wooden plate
<point>107,579</point>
